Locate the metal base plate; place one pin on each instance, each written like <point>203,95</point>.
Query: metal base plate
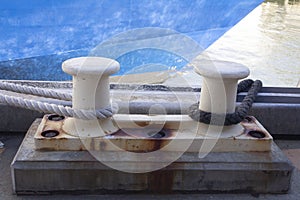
<point>249,135</point>
<point>36,171</point>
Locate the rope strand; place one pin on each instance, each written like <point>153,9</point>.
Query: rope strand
<point>57,109</point>
<point>198,115</point>
<point>35,91</point>
<point>231,118</point>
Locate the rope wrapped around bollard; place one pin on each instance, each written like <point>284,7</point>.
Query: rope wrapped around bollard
<point>46,107</point>
<point>206,117</point>
<point>253,87</point>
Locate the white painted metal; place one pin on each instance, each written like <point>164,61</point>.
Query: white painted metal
<point>90,92</point>
<point>219,88</point>
<point>138,140</point>
<point>220,85</point>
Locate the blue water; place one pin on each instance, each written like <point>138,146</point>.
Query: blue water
<point>37,35</point>
<point>149,60</point>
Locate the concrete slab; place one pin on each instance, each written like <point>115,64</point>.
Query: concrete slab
<point>294,156</point>
<point>77,171</point>
<point>12,142</point>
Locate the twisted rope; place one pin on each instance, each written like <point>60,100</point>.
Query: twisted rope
<point>35,91</point>
<point>206,117</point>
<point>230,118</point>
<point>57,109</point>
<point>50,107</point>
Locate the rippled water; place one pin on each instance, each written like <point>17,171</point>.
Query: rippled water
<point>267,41</point>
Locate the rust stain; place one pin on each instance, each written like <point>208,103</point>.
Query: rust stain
<point>139,144</point>
<point>142,124</point>
<point>92,145</point>
<point>133,140</point>
<point>103,145</point>
<point>61,138</point>
<point>81,148</point>
<point>250,125</point>
<point>161,181</point>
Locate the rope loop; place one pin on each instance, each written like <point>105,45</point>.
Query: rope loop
<point>253,87</point>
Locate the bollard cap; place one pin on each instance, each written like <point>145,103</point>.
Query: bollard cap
<point>221,69</point>
<point>90,66</point>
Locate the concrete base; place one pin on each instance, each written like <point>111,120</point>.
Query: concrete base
<point>77,171</point>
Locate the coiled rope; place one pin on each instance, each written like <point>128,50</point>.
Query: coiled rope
<point>50,107</point>
<point>240,113</point>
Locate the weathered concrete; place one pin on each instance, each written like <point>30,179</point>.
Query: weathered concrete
<point>12,142</point>
<point>67,171</point>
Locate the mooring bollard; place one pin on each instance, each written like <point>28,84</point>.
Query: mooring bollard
<point>219,87</point>
<point>90,92</point>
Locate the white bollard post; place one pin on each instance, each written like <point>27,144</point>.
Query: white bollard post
<point>219,87</point>
<point>90,92</point>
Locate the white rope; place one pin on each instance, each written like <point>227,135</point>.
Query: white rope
<point>50,107</point>
<point>35,91</point>
<point>57,109</point>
